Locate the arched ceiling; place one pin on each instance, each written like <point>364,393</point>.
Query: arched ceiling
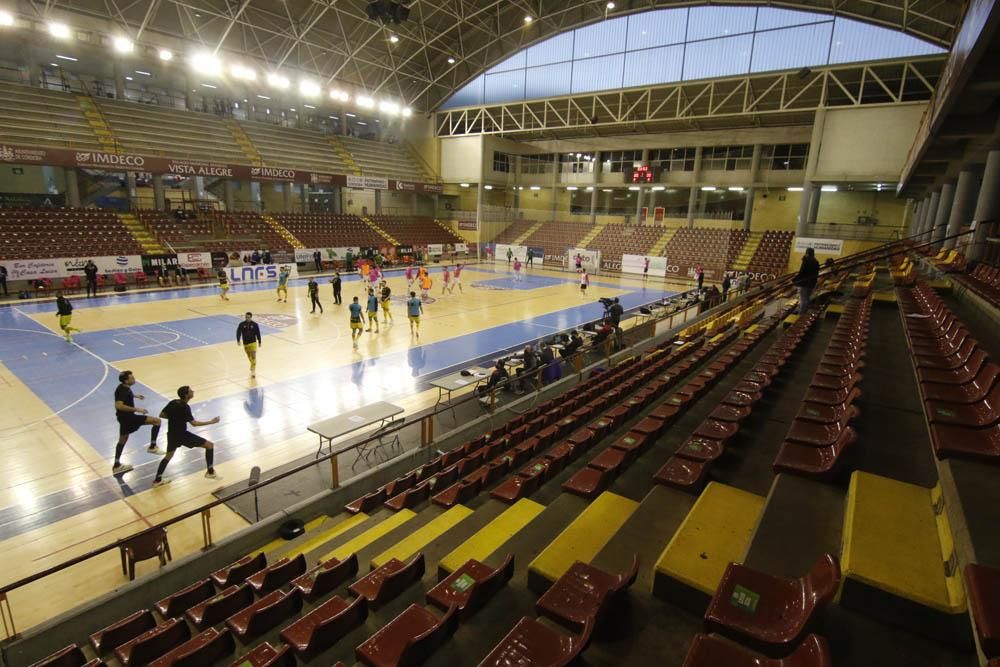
<point>334,41</point>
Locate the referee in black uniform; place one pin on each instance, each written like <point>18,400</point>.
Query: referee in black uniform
<point>178,415</point>
<point>130,420</point>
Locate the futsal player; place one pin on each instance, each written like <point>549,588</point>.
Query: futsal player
<point>131,419</point>
<point>517,270</point>
<point>372,310</point>
<point>336,282</point>
<point>414,308</point>
<point>223,284</point>
<point>409,277</point>
<point>386,293</point>
<point>457,278</point>
<point>357,321</point>
<point>425,286</point>
<point>64,310</point>
<point>178,415</point>
<point>446,278</point>
<point>248,335</point>
<point>313,288</point>
<point>283,282</point>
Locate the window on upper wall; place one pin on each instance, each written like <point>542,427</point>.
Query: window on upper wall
<point>502,162</point>
<point>536,164</point>
<point>673,159</point>
<point>726,158</point>
<point>784,157</point>
<point>621,160</point>
<point>576,163</point>
<point>683,44</point>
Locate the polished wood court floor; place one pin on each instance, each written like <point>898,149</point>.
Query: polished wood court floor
<point>58,498</point>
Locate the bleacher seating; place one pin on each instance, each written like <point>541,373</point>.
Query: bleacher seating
<point>38,233</point>
<point>716,248</point>
<point>415,231</point>
<point>153,130</point>
<point>41,117</point>
<point>248,230</point>
<point>380,158</point>
<point>189,233</point>
<point>557,237</point>
<point>299,148</point>
<point>615,240</point>
<point>329,230</point>
<point>514,231</point>
<point>772,253</point>
<point>984,280</point>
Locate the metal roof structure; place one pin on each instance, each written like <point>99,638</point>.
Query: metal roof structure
<point>423,60</point>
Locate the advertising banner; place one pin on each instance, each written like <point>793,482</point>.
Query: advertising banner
<point>18,200</point>
<point>658,213</point>
<point>409,186</point>
<point>832,247</point>
<point>435,249</point>
<point>367,182</point>
<point>461,247</point>
<point>713,274</point>
<point>194,260</point>
<point>305,255</point>
<point>33,269</point>
<point>150,263</point>
<point>63,267</point>
<point>258,273</point>
<point>636,263</point>
<point>468,225</point>
<point>119,264</point>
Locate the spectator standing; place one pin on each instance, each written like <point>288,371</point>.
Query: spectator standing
<point>645,268</point>
<point>318,260</point>
<point>255,258</point>
<point>313,289</point>
<point>266,257</point>
<point>90,271</point>
<point>530,259</point>
<point>806,278</point>
<point>527,369</point>
<point>3,279</point>
<point>615,313</point>
<point>510,255</point>
<point>579,262</point>
<point>699,274</point>
<point>725,288</point>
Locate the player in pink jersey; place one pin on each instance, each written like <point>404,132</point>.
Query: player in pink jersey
<point>409,277</point>
<point>517,270</point>
<point>446,280</point>
<point>456,278</point>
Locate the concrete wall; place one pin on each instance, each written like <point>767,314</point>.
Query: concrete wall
<point>869,143</point>
<point>461,159</point>
<point>31,180</point>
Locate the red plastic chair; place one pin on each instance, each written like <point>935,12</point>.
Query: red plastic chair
<point>140,278</point>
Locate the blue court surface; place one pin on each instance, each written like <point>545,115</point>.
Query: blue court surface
<point>525,282</point>
<point>77,382</point>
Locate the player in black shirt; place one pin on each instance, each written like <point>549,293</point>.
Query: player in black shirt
<point>64,310</point>
<point>248,335</point>
<point>130,420</point>
<point>178,415</point>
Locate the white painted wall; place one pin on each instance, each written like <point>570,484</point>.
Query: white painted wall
<point>867,144</point>
<point>461,159</point>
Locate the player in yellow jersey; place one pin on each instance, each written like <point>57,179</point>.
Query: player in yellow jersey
<point>248,335</point>
<point>223,285</point>
<point>386,293</point>
<point>283,283</point>
<point>64,309</point>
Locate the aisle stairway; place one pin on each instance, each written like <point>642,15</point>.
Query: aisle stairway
<point>524,237</point>
<point>381,232</point>
<point>592,234</point>
<point>282,230</point>
<point>243,141</point>
<point>142,235</point>
<point>661,243</point>
<point>747,251</point>
<point>344,154</point>
<point>105,136</point>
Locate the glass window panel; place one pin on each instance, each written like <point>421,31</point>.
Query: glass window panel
<point>790,48</point>
<point>769,18</point>
<point>706,22</point>
<point>598,73</point>
<point>468,95</point>
<point>504,86</point>
<point>651,66</point>
<point>553,50</point>
<point>854,41</point>
<point>717,57</point>
<point>660,28</point>
<point>548,81</point>
<point>516,61</point>
<point>601,38</point>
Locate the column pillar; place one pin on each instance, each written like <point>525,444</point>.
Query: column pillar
<point>814,204</point>
<point>593,206</point>
<point>928,229</point>
<point>119,81</point>
<point>593,193</point>
<point>555,184</point>
<point>754,171</point>
<point>72,187</point>
<point>378,202</point>
<point>925,209</point>
<point>815,144</point>
<point>304,194</point>
<point>961,206</point>
<point>158,203</point>
<point>914,221</point>
<point>286,196</point>
<point>695,185</point>
<point>987,204</point>
<point>229,194</point>
<point>479,218</point>
<point>338,200</point>
<point>638,203</point>
<point>130,186</point>
<point>343,122</point>
<point>942,213</point>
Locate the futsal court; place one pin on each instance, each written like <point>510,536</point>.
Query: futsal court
<point>58,497</point>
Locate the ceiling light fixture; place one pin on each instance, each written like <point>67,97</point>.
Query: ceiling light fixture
<point>658,188</point>
<point>166,55</point>
<point>6,19</point>
<point>393,39</point>
<point>241,72</point>
<point>139,71</point>
<point>708,188</point>
<point>350,115</point>
<point>535,187</point>
<point>309,88</point>
<point>571,188</point>
<point>339,95</point>
<point>59,30</point>
<point>208,85</point>
<point>451,61</point>
<point>263,97</point>
<point>463,185</point>
<point>795,189</point>
<point>206,63</point>
<point>308,106</point>
<point>487,187</point>
<point>407,112</point>
<point>69,58</point>
<point>736,189</point>
<point>590,188</point>
<point>829,188</point>
<point>122,44</point>
<point>528,19</point>
<point>128,78</point>
<point>361,122</point>
<point>634,188</point>
<point>610,6</point>
<point>365,101</point>
<point>278,81</point>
